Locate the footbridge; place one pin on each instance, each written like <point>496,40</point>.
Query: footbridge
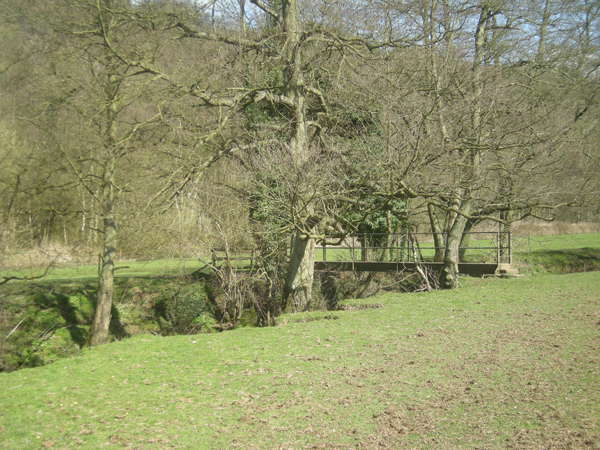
<point>480,252</point>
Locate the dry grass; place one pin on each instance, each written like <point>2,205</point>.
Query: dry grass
<point>44,255</point>
<point>539,228</point>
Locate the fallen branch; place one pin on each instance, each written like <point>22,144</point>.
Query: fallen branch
<point>15,328</point>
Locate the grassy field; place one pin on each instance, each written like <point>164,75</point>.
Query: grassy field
<point>556,242</point>
<point>558,254</point>
<point>500,363</point>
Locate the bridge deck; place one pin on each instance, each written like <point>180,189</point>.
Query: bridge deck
<point>357,252</point>
<point>378,266</point>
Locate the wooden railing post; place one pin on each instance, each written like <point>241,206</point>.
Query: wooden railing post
<point>324,251</point>
<point>499,244</point>
<point>363,251</point>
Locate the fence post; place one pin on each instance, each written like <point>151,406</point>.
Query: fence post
<point>444,244</point>
<point>498,247</point>
<point>363,251</point>
<point>324,251</point>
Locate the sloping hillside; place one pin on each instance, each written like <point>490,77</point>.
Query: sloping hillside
<point>507,363</point>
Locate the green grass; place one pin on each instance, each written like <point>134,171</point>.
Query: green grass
<point>426,251</point>
<point>499,363</point>
<point>558,254</point>
<point>556,242</point>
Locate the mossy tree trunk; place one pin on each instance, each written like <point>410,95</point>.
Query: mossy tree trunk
<point>471,155</point>
<point>449,277</point>
<point>102,312</point>
<point>465,239</point>
<point>300,274</point>
<point>438,234</point>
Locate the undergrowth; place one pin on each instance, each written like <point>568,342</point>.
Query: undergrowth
<point>45,321</point>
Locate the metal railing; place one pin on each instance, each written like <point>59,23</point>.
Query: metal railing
<point>484,247</point>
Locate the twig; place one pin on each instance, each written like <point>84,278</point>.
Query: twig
<point>7,279</point>
<point>15,328</point>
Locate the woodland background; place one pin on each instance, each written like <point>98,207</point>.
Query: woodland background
<point>170,129</point>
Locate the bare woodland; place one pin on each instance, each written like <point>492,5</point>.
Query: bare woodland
<point>145,129</point>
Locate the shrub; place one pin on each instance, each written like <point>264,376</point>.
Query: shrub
<point>185,311</point>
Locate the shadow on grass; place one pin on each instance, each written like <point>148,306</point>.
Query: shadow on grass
<point>77,311</point>
<point>71,314</point>
<point>115,327</point>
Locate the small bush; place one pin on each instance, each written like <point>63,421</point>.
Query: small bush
<point>185,311</point>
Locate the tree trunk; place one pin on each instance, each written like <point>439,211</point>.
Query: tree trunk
<point>302,254</point>
<point>438,235</point>
<point>543,31</point>
<point>298,285</point>
<point>102,314</point>
<point>466,238</point>
<point>449,277</point>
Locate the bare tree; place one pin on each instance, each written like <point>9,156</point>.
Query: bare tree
<point>282,77</point>
<point>103,92</point>
<point>478,122</point>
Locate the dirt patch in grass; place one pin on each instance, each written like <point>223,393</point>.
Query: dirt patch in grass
<point>359,306</point>
<point>305,318</point>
